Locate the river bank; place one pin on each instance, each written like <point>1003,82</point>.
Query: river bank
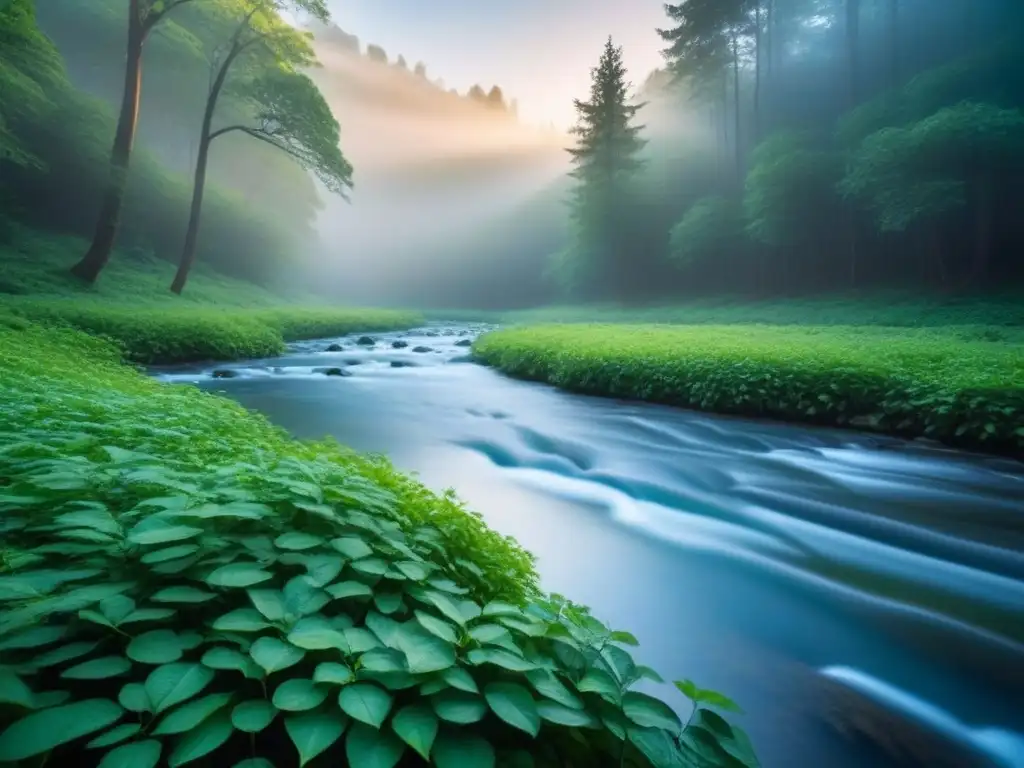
<point>716,540</point>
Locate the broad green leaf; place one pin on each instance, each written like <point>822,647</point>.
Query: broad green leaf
<point>371,566</point>
<point>383,660</point>
<point>417,726</point>
<point>462,749</point>
<point>202,740</point>
<point>436,626</point>
<point>296,541</point>
<point>47,729</point>
<point>649,712</point>
<point>138,754</point>
<point>298,695</point>
<point>268,602</point>
<point>459,677</point>
<point>424,652</point>
<point>64,653</point>
<point>500,658</point>
<point>513,704</point>
<point>134,698</point>
<point>600,682</point>
<point>498,608</point>
<point>172,684</point>
<point>14,691</point>
<point>301,598</point>
<point>148,532</point>
<point>238,575</point>
<point>369,747</point>
<point>160,646</point>
<point>361,640</point>
<point>384,628</point>
<point>388,602</point>
<point>703,696</point>
<point>345,589</point>
<point>314,732</point>
<point>352,548</point>
<point>241,620</point>
<point>447,585</point>
<point>546,684</point>
<point>366,703</point>
<point>412,570</point>
<point>645,672</point>
<point>447,606</point>
<point>254,762</point>
<point>182,595</point>
<point>192,713</point>
<point>458,706</point>
<point>557,713</point>
<point>315,633</point>
<point>36,637</point>
<point>148,614</point>
<point>625,638</point>
<point>117,608</point>
<point>170,553</point>
<point>332,673</point>
<point>321,570</point>
<point>274,655</point>
<point>115,735</point>
<point>46,699</point>
<point>220,657</point>
<point>98,669</point>
<point>253,716</point>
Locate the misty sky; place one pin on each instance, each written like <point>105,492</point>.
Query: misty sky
<point>538,51</point>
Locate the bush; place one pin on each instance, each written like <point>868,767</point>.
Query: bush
<point>945,385</point>
<point>181,583</point>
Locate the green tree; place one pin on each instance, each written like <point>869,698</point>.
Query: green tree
<point>143,18</point>
<point>605,161</point>
<point>287,110</point>
<point>711,229</point>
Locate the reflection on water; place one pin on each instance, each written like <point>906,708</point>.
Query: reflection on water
<point>745,555</point>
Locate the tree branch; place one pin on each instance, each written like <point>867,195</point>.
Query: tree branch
<point>263,136</point>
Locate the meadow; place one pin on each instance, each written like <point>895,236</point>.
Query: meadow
<point>959,384</point>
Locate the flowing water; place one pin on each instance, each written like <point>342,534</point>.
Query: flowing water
<point>861,597</point>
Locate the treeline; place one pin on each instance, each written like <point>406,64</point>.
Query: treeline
<point>63,72</point>
<point>842,145</point>
<point>493,99</point>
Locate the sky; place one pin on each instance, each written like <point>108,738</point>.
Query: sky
<point>538,51</point>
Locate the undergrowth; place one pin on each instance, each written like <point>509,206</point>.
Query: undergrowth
<point>943,384</point>
<point>182,584</point>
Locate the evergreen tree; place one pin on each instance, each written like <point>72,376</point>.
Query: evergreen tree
<point>600,260</point>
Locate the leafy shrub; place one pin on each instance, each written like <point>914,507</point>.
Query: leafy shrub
<point>180,583</point>
<point>710,228</point>
<point>947,386</point>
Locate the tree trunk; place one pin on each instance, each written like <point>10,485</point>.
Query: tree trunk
<point>736,107</point>
<point>109,219</point>
<point>853,49</point>
<point>769,37</point>
<point>757,71</point>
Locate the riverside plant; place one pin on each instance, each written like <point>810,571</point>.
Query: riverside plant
<point>254,617</point>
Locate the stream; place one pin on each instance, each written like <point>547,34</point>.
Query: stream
<point>861,597</point>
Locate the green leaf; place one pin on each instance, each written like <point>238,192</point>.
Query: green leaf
<point>703,696</point>
<point>649,712</point>
<point>220,657</point>
<point>47,729</point>
<point>172,684</point>
<point>36,637</point>
<point>447,606</point>
<point>459,677</point>
<point>383,660</point>
<point>648,673</point>
<point>412,570</point>
<point>255,762</point>
<point>303,599</point>
<point>600,682</point>
<point>268,602</point>
<point>148,532</point>
<point>63,653</point>
<point>14,691</point>
<point>314,732</point>
<point>369,747</point>
<point>361,640</point>
<point>182,595</point>
<point>323,569</point>
<point>332,673</point>
<point>498,608</point>
<point>417,726</point>
<point>148,614</point>
<point>134,698</point>
<point>458,707</point>
<point>117,608</point>
<point>388,602</point>
<point>436,626</point>
<point>424,652</point>
<point>274,655</point>
<point>315,633</point>
<point>115,735</point>
<point>189,715</point>
<point>513,704</point>
<point>371,566</point>
<point>559,714</point>
<point>253,716</point>
<point>298,695</point>
<point>238,575</point>
<point>241,620</point>
<point>500,658</point>
<point>138,754</point>
<point>98,669</point>
<point>366,703</point>
<point>296,541</point>
<point>170,553</point>
<point>345,589</point>
<point>625,638</point>
<point>352,548</point>
<point>201,741</point>
<point>462,749</point>
<point>160,646</point>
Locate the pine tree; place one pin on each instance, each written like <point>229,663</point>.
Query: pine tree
<point>605,161</point>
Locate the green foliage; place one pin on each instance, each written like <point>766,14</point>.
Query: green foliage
<point>926,169</point>
<point>710,229</point>
<point>790,182</point>
<point>161,610</point>
<point>917,383</point>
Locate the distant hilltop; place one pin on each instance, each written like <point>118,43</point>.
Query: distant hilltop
<point>335,39</point>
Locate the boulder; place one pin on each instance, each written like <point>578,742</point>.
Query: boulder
<point>366,341</point>
<point>332,371</point>
<point>335,348</point>
<point>463,343</point>
<point>422,349</point>
<point>399,344</point>
<point>400,364</point>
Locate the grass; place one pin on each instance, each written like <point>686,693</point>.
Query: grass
<point>217,318</point>
<point>948,384</point>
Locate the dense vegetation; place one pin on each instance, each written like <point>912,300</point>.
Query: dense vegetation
<point>820,145</point>
<point>960,386</point>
